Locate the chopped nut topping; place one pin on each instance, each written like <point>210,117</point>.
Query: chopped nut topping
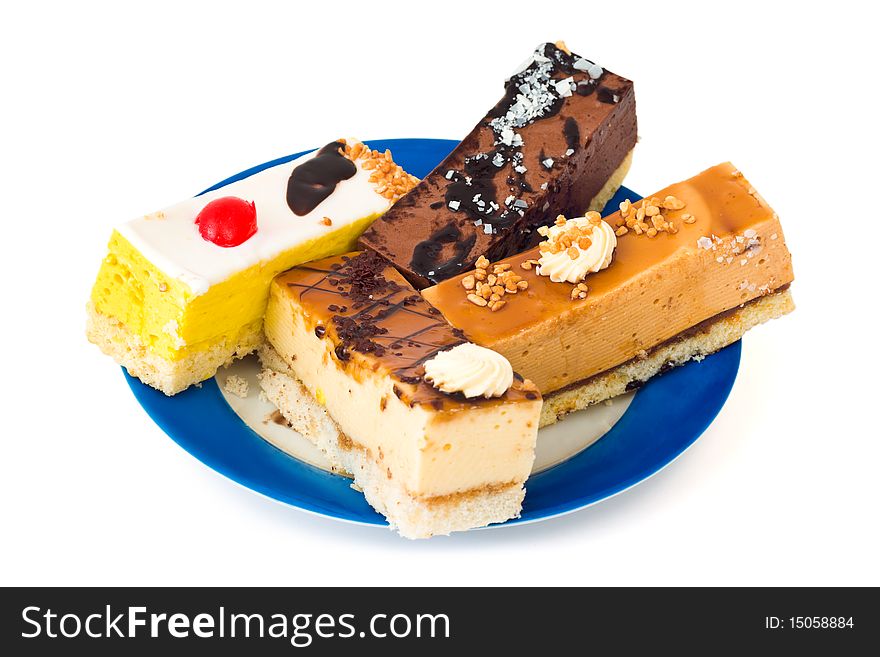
<point>327,221</point>
<point>561,45</point>
<point>672,203</point>
<point>488,290</point>
<point>579,291</point>
<point>648,218</point>
<point>390,179</point>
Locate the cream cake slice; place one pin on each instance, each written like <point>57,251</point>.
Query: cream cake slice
<point>601,306</point>
<point>438,433</point>
<point>182,291</point>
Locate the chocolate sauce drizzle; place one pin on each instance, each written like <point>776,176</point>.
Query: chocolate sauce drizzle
<point>428,254</point>
<point>314,180</point>
<point>572,133</point>
<point>535,93</point>
<point>372,298</point>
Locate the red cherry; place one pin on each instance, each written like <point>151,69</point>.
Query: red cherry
<point>227,221</point>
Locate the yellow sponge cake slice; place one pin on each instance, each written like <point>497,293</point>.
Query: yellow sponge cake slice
<point>182,291</point>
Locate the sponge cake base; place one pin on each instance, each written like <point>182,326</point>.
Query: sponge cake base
<point>704,339</point>
<point>412,516</point>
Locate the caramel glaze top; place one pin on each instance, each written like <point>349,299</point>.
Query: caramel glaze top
<point>377,322</point>
<point>723,203</point>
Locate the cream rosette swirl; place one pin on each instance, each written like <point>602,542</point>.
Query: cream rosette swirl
<point>471,370</point>
<point>576,247</point>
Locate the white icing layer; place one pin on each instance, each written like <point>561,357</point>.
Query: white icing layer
<point>170,238</point>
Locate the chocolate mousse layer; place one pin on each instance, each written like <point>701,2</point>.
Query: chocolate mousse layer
<point>549,146</point>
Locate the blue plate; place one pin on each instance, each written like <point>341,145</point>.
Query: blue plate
<point>666,416</point>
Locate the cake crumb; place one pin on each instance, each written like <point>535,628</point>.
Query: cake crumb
<point>236,385</point>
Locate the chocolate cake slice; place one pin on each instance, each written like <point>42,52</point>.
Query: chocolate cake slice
<point>559,142</point>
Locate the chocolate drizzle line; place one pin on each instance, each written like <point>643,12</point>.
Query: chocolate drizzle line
<point>572,133</point>
<point>427,255</point>
<point>370,299</point>
<point>314,180</point>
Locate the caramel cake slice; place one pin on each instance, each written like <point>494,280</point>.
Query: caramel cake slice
<point>602,306</point>
<point>560,141</point>
<point>437,432</point>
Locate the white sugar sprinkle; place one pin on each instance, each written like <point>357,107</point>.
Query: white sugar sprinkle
<point>487,228</point>
<point>563,87</point>
<point>704,243</point>
<point>548,163</point>
<point>454,205</point>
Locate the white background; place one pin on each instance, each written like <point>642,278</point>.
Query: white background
<point>109,111</point>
